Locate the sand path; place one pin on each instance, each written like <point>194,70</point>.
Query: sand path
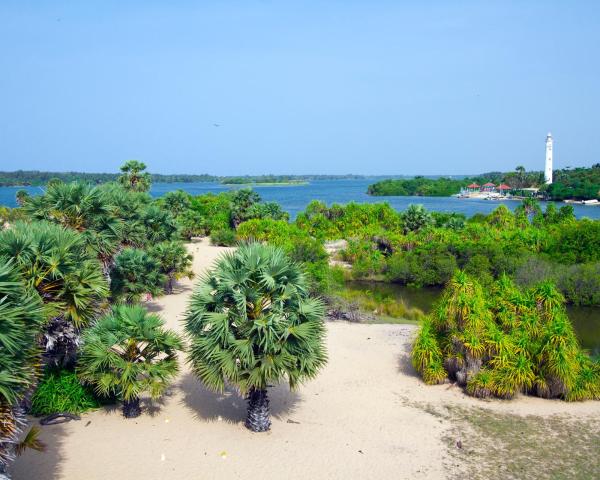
<point>358,419</point>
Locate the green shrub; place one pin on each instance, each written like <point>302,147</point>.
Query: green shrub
<point>60,391</point>
<point>223,238</point>
<point>500,341</point>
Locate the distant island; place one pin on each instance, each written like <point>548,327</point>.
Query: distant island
<point>265,180</point>
<point>35,178</point>
<point>568,183</point>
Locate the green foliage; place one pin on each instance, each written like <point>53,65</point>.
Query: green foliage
<point>133,177</point>
<point>576,242</point>
<point>576,183</point>
<point>173,261</point>
<point>223,238</point>
<point>298,244</point>
<point>176,202</point>
<point>418,186</point>
<point>353,219</point>
<point>21,318</point>
<point>55,261</point>
<point>128,352</point>
<point>416,217</point>
<point>252,322</point>
<point>61,391</point>
<point>135,274</point>
<point>501,341</point>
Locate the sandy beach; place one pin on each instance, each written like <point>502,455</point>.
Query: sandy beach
<point>366,416</point>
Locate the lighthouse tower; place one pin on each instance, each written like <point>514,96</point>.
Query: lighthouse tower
<point>548,169</point>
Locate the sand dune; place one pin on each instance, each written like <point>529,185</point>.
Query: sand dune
<point>363,417</point>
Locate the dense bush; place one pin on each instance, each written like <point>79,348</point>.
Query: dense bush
<point>223,238</point>
<point>579,283</point>
<point>502,341</point>
<point>60,391</point>
<point>298,244</point>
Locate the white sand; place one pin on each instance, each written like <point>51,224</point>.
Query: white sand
<point>353,421</point>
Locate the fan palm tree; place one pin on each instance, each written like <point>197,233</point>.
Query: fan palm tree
<point>174,262</point>
<point>416,217</point>
<point>55,261</point>
<point>84,208</point>
<point>252,322</point>
<point>127,353</point>
<point>21,318</point>
<point>134,178</point>
<point>135,274</point>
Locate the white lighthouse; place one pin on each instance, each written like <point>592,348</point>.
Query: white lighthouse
<point>548,169</point>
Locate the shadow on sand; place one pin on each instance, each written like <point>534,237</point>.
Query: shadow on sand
<point>41,465</point>
<point>229,406</point>
<point>405,363</point>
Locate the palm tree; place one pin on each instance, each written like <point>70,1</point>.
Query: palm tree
<point>174,262</point>
<point>55,261</point>
<point>127,353</point>
<point>252,322</point>
<point>134,178</point>
<point>21,318</point>
<point>136,273</point>
<point>83,208</point>
<point>416,217</point>
<point>176,202</point>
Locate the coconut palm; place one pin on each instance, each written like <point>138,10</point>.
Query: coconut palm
<point>252,322</point>
<point>21,318</point>
<point>174,262</point>
<point>135,274</point>
<point>127,353</point>
<point>134,178</point>
<point>55,261</point>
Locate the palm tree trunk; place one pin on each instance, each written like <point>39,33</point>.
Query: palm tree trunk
<point>131,408</point>
<point>259,415</point>
<point>60,341</point>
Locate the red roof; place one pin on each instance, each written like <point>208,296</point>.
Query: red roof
<point>489,184</point>
<point>503,187</point>
<point>473,185</point>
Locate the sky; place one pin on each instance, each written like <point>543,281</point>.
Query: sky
<point>323,87</point>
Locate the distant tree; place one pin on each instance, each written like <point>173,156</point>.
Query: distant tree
<point>21,197</point>
<point>129,352</point>
<point>177,202</point>
<point>416,217</point>
<point>133,176</point>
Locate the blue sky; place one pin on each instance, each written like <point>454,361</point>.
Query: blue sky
<point>436,87</point>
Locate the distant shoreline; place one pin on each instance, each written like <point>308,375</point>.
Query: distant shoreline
<point>266,184</point>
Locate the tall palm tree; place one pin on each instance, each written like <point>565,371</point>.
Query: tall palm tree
<point>21,318</point>
<point>55,261</point>
<point>127,353</point>
<point>133,177</point>
<point>252,322</point>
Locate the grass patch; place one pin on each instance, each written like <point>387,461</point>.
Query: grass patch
<point>385,308</point>
<point>508,446</point>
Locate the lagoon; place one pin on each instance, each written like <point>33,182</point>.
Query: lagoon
<point>586,320</point>
<point>295,198</point>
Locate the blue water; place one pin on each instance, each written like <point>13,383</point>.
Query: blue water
<point>295,198</point>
